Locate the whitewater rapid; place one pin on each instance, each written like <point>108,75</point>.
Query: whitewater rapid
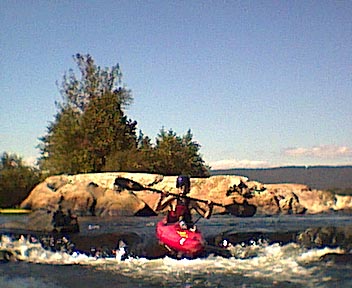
<point>254,263</point>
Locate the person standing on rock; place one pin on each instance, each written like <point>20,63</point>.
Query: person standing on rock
<point>180,206</point>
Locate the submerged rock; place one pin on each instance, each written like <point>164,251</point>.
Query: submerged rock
<point>6,256</point>
<point>58,221</point>
<point>337,258</point>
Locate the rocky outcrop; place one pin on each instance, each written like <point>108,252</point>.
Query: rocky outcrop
<point>88,194</point>
<point>280,199</point>
<point>96,194</point>
<point>327,237</point>
<point>311,200</point>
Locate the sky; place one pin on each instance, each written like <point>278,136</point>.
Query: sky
<point>259,83</point>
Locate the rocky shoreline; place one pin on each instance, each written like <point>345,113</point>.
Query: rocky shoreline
<point>95,194</point>
<point>59,200</point>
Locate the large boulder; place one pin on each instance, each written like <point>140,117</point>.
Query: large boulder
<point>78,197</point>
<point>97,194</point>
<point>90,194</point>
<point>122,203</point>
<point>42,197</point>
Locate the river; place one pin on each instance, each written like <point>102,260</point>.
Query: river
<point>254,264</point>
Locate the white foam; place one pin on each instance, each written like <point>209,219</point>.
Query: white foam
<point>258,260</point>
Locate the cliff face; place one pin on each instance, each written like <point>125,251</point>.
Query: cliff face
<point>96,194</point>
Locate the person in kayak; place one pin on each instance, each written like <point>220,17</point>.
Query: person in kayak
<point>180,207</point>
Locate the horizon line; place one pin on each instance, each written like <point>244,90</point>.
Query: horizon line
<point>285,166</point>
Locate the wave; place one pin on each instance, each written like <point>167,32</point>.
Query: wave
<point>257,261</point>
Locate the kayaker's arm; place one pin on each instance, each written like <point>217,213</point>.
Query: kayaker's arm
<point>206,213</point>
<point>164,202</point>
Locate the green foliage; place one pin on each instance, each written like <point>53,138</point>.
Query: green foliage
<point>106,130</point>
<point>90,123</point>
<point>16,180</point>
<point>177,155</point>
<point>94,83</point>
<point>91,132</point>
<point>61,147</point>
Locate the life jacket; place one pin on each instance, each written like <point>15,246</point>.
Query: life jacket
<point>182,211</point>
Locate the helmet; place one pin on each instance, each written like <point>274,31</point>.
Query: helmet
<point>183,181</point>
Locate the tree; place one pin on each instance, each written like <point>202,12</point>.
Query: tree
<point>177,155</point>
<point>106,130</point>
<point>91,133</point>
<point>145,154</point>
<point>138,158</point>
<point>94,83</point>
<point>90,124</point>
<point>16,180</point>
<point>61,147</point>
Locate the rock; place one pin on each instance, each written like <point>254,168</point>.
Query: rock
<point>64,221</point>
<point>97,194</point>
<point>41,197</point>
<point>290,205</point>
<point>266,203</point>
<point>83,196</point>
<point>150,199</point>
<point>327,237</point>
<point>242,210</point>
<point>77,197</point>
<point>317,201</point>
<point>337,258</point>
<point>6,256</point>
<point>58,221</point>
<point>122,203</point>
<point>56,182</point>
<point>215,189</point>
<point>343,202</point>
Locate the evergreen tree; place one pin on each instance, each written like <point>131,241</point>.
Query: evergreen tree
<point>91,133</point>
<point>106,131</point>
<point>90,124</point>
<point>176,155</point>
<point>61,148</point>
<point>146,153</point>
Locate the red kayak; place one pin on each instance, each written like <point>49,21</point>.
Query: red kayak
<point>180,242</point>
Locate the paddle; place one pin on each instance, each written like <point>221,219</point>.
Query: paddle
<point>129,184</point>
<point>234,209</point>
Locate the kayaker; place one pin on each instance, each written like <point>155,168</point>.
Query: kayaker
<point>180,207</point>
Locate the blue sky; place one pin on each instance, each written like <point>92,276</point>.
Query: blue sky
<point>259,83</point>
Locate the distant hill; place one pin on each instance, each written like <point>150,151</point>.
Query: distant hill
<point>338,178</point>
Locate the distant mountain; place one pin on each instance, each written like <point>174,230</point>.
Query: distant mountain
<point>316,177</point>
